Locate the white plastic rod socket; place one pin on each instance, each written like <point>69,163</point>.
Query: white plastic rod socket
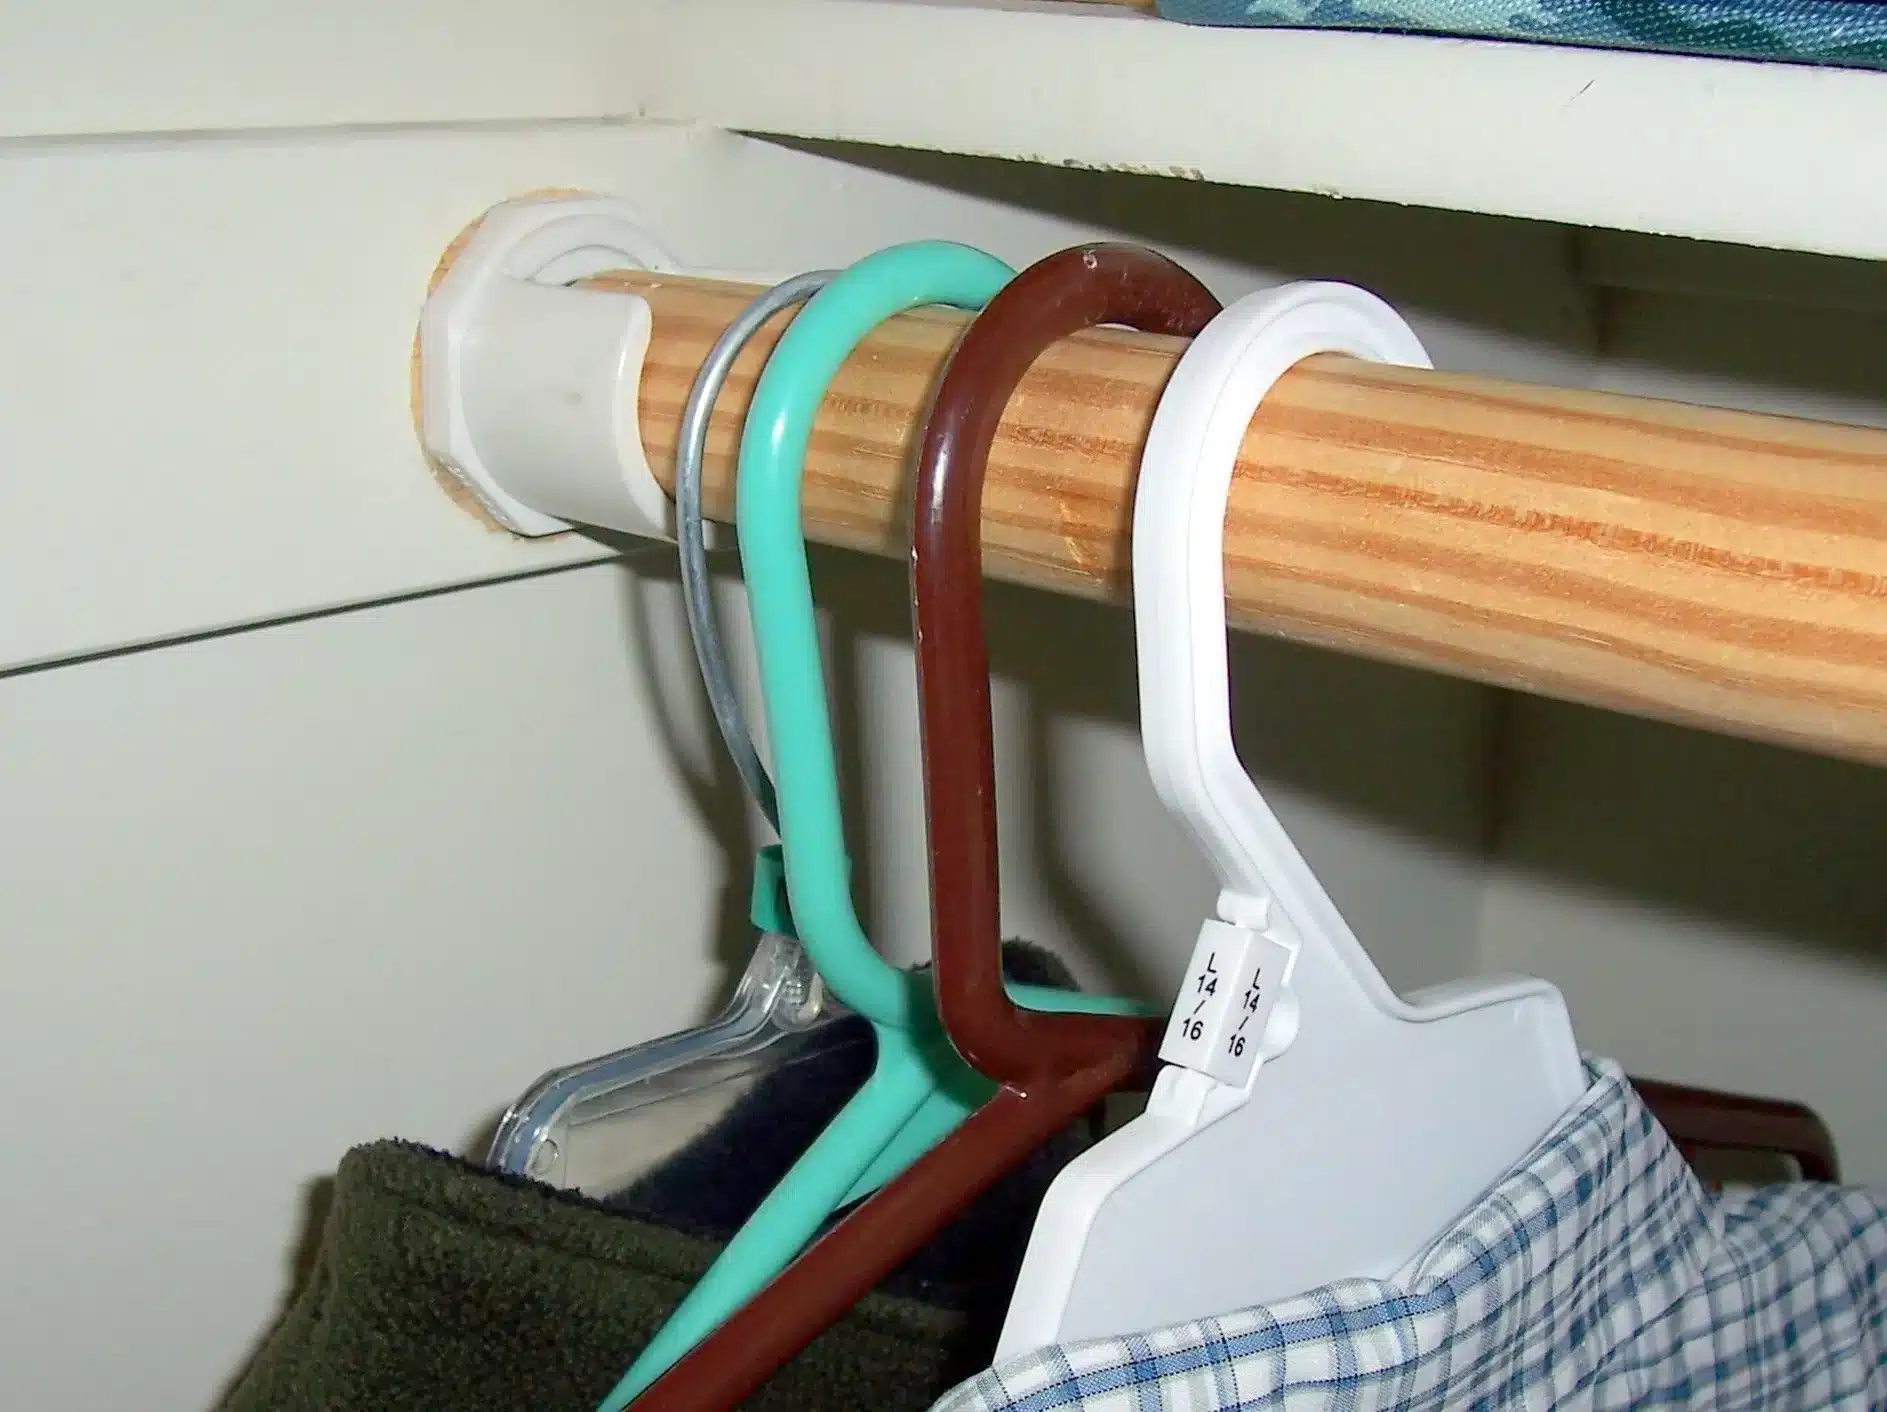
<point>529,387</point>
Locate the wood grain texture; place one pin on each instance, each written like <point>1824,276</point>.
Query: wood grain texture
<point>1717,568</point>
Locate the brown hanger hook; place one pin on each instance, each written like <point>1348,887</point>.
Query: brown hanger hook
<point>1069,291</point>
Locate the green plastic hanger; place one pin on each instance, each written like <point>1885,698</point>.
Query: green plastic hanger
<point>920,1088</point>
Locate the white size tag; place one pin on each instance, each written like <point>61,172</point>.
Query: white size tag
<point>1218,1024</point>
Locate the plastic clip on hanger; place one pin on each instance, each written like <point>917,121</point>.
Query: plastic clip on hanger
<point>1053,1067</point>
<point>1311,1124</point>
<point>917,1073</point>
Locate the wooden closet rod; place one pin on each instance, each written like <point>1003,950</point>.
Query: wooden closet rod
<point>1719,568</point>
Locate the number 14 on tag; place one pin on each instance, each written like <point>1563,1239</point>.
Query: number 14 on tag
<point>1219,1018</point>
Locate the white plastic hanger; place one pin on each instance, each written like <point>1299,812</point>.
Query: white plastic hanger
<point>1310,1124</point>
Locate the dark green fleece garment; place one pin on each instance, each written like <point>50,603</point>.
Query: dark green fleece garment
<point>439,1287</point>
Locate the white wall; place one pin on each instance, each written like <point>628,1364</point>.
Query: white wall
<point>268,894</point>
<point>1715,911</point>
<point>274,891</point>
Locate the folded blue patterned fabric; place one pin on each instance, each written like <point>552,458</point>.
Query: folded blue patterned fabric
<point>1849,33</point>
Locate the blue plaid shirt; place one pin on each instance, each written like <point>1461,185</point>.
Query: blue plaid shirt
<point>1598,1274</point>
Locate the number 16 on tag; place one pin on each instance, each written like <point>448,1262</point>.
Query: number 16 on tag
<point>1219,1018</point>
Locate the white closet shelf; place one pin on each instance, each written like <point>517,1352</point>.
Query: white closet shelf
<point>1757,154</point>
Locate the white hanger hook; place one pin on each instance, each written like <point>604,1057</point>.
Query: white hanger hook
<point>1179,577</point>
<point>1310,1124</point>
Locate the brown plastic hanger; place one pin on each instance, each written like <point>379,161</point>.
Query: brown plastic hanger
<point>1069,291</point>
<point>1052,1068</point>
<point>1701,1119</point>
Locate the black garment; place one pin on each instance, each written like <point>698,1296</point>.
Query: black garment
<point>440,1287</point>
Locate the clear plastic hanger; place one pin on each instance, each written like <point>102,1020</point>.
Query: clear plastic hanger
<point>597,1126</point>
<point>587,1128</point>
<point>1310,1124</point>
<point>593,1126</point>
